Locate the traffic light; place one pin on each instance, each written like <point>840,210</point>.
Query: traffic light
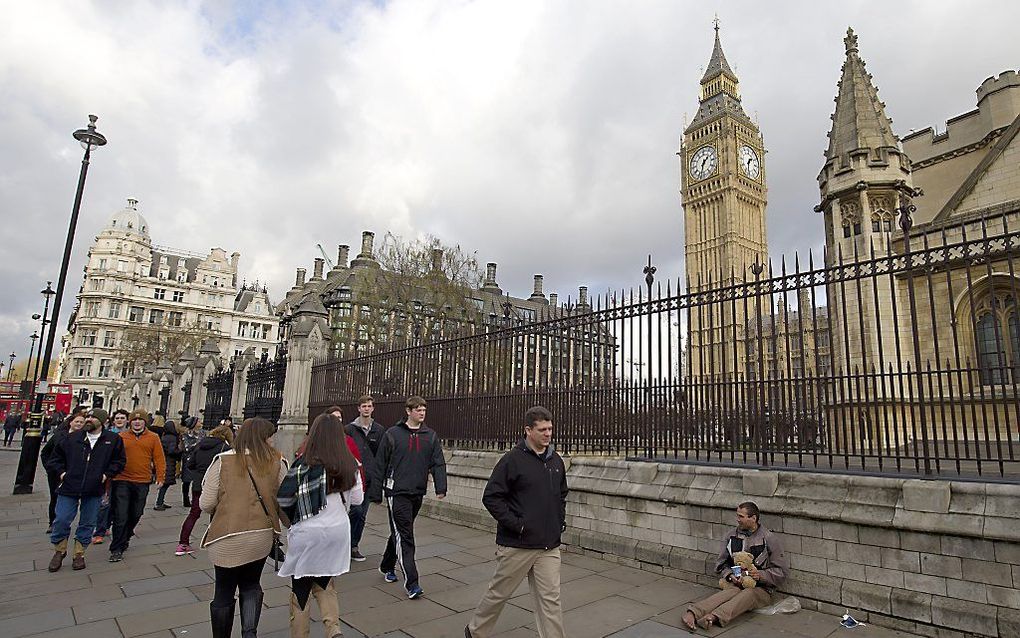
<point>97,401</point>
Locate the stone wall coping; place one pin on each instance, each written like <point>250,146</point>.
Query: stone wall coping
<point>964,508</point>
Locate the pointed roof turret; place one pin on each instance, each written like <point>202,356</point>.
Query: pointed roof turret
<point>859,121</point>
<point>718,65</point>
<point>720,88</point>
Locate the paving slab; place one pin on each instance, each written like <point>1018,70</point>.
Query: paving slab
<point>154,594</point>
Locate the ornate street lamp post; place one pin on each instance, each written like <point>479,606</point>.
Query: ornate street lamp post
<point>28,366</point>
<point>89,138</point>
<point>48,292</point>
<point>10,367</point>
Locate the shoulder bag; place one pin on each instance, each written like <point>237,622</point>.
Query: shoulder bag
<point>277,550</point>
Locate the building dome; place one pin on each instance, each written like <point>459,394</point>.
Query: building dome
<point>129,220</point>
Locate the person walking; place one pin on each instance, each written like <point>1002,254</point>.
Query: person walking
<point>11,426</point>
<point>72,423</point>
<point>408,453</point>
<point>239,490</point>
<point>130,487</point>
<point>366,433</point>
<point>171,444</point>
<point>190,438</point>
<point>84,460</point>
<point>329,483</point>
<point>217,441</point>
<point>527,495</point>
<point>118,421</point>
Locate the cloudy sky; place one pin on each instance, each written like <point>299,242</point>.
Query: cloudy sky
<point>541,134</point>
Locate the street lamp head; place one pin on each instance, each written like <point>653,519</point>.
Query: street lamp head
<point>37,316</point>
<point>49,292</point>
<point>35,335</point>
<point>89,136</point>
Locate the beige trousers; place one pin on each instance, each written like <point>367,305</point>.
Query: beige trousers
<point>730,603</point>
<point>328,607</point>
<point>542,567</point>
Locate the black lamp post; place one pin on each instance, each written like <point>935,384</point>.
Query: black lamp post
<point>31,349</point>
<point>89,138</point>
<point>10,367</point>
<point>48,292</point>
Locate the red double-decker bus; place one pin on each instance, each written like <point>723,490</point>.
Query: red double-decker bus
<point>18,394</point>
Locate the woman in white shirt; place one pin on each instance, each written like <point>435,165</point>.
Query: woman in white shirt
<point>316,496</point>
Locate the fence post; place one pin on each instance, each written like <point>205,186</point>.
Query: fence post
<point>307,341</point>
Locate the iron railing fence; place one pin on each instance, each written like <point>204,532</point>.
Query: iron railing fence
<point>219,392</point>
<point>264,394</point>
<point>900,355</point>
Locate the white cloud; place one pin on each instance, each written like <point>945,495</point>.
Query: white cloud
<point>540,134</point>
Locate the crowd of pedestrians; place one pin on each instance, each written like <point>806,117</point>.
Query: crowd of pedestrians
<point>100,469</point>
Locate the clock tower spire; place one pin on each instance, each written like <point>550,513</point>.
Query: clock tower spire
<point>722,179</point>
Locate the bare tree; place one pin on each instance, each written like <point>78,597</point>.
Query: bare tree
<point>423,290</point>
<point>145,344</point>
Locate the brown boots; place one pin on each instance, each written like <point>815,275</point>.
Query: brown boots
<point>328,607</point>
<point>77,562</point>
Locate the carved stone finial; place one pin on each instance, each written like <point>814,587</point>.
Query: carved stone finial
<point>850,40</point>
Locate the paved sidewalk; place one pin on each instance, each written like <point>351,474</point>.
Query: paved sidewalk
<point>153,593</point>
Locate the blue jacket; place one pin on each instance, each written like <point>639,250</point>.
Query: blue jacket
<point>84,467</point>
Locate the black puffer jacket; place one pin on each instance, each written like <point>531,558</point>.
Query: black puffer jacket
<point>84,467</point>
<point>527,495</point>
<point>202,458</point>
<point>171,450</point>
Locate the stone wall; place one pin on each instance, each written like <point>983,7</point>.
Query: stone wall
<point>938,558</point>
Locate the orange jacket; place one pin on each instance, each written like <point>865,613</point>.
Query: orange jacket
<point>143,452</point>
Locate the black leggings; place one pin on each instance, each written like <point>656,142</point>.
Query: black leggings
<point>243,578</point>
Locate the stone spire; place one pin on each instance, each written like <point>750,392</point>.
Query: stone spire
<point>859,121</point>
<point>718,65</point>
<point>720,88</point>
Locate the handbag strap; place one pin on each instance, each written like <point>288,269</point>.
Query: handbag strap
<point>259,494</point>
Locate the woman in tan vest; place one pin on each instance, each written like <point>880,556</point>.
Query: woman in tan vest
<point>238,489</point>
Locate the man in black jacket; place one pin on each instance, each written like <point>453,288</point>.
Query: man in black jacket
<point>408,453</point>
<point>367,433</point>
<point>83,461</point>
<point>527,495</point>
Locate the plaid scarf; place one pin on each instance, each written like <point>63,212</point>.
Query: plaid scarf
<point>303,491</point>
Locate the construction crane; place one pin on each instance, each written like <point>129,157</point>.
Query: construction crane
<point>329,262</point>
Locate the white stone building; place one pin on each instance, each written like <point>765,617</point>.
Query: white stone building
<point>131,281</point>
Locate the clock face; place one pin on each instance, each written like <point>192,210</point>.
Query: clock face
<point>703,162</point>
<point>749,163</point>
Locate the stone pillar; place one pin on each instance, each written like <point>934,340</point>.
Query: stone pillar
<point>343,250</point>
<point>240,393</point>
<point>538,295</point>
<point>308,341</point>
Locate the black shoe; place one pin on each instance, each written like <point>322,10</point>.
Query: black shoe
<point>116,557</point>
<point>356,555</point>
<point>222,619</point>
<point>187,504</point>
<point>159,507</point>
<point>251,609</point>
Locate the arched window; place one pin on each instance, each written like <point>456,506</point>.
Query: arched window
<point>997,336</point>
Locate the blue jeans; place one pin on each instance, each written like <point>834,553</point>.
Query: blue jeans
<point>358,514</point>
<point>86,508</point>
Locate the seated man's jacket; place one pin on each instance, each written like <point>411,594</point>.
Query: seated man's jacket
<point>769,557</point>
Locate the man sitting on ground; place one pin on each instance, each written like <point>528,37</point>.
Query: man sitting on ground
<point>769,569</point>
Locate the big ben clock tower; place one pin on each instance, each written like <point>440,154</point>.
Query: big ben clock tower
<point>722,177</point>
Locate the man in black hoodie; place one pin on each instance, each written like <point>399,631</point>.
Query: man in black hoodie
<point>83,461</point>
<point>366,433</point>
<point>527,495</point>
<point>408,453</point>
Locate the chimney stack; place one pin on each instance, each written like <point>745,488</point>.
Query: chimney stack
<point>582,299</point>
<point>317,271</point>
<point>300,281</point>
<point>538,295</point>
<point>554,299</point>
<point>490,285</point>
<point>341,255</point>
<point>437,260</point>
<point>367,239</point>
